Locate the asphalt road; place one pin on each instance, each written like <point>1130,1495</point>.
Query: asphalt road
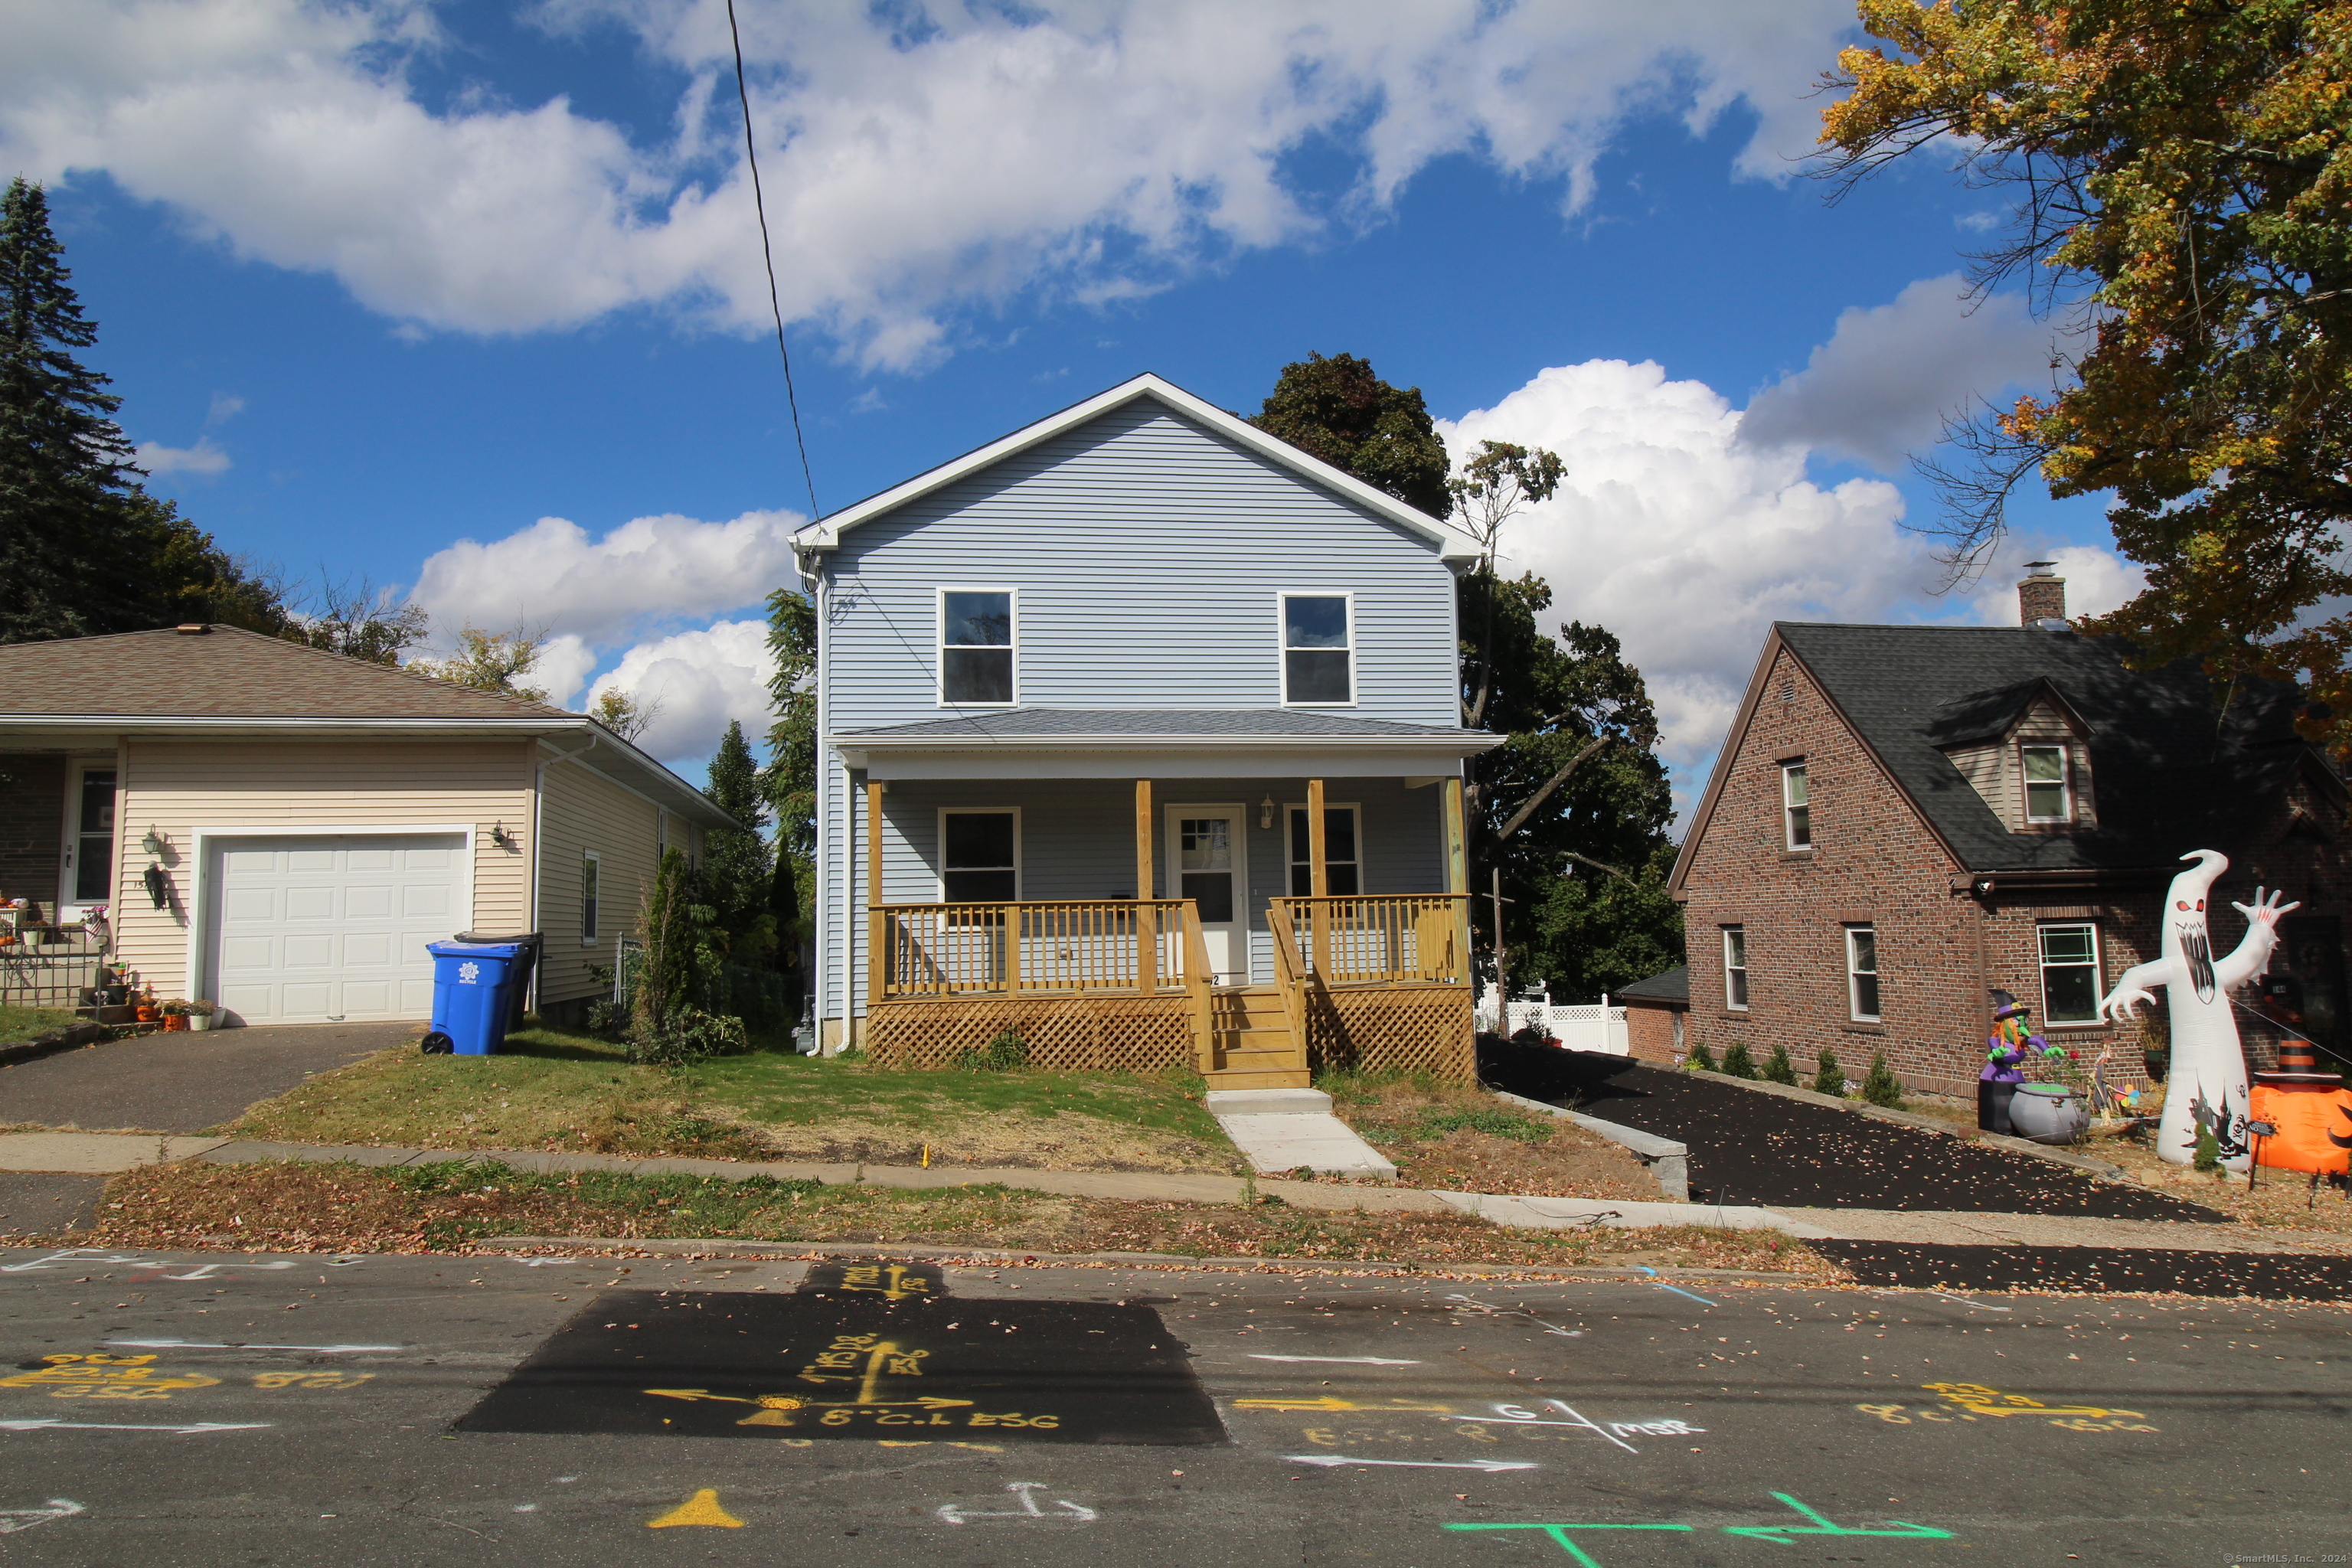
<point>310,1410</point>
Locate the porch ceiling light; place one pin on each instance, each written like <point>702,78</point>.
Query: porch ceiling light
<point>153,843</point>
<point>1265,813</point>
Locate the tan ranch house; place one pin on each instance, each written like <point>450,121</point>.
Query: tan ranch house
<point>280,830</point>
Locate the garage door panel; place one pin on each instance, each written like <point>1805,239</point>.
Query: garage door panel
<point>333,927</point>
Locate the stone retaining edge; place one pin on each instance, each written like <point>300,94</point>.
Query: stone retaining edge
<point>72,1037</point>
<point>1667,1161</point>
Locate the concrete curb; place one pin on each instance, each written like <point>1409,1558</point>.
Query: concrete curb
<point>1576,1214</point>
<point>1667,1161</point>
<point>796,1251</point>
<point>1925,1124</point>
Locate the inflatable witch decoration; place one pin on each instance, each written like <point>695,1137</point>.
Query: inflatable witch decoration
<point>2206,1088</point>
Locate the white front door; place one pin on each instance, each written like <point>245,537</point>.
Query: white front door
<point>312,927</point>
<point>1208,862</point>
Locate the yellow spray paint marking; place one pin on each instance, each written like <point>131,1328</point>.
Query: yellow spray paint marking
<point>1979,1400</point>
<point>890,1281</point>
<point>107,1377</point>
<point>311,1379</point>
<point>1327,1402</point>
<point>702,1508</point>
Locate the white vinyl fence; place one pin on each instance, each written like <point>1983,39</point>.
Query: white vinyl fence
<point>1578,1027</point>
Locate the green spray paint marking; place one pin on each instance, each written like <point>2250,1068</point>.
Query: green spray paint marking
<point>1780,1534</point>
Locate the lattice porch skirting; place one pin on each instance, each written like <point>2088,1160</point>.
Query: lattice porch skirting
<point>1392,1028</point>
<point>1064,1034</point>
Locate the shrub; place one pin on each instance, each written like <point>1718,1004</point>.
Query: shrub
<point>1008,1052</point>
<point>2208,1149</point>
<point>1830,1079</point>
<point>1737,1063</point>
<point>605,1019</point>
<point>1878,1085</point>
<point>1778,1068</point>
<point>685,1034</point>
<point>1701,1059</point>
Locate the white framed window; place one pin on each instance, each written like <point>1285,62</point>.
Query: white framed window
<point>1343,863</point>
<point>1318,650</point>
<point>2071,986</point>
<point>591,891</point>
<point>1734,968</point>
<point>1862,973</point>
<point>88,876</point>
<point>977,656</point>
<point>980,854</point>
<point>2049,793</point>
<point>1796,806</point>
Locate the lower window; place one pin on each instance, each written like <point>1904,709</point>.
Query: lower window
<point>2070,974</point>
<point>980,857</point>
<point>1861,973</point>
<point>1342,867</point>
<point>590,877</point>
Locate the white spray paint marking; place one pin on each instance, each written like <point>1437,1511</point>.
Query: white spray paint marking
<point>955,1514</point>
<point>1333,1461</point>
<point>1487,1309</point>
<point>208,1345</point>
<point>1339,1360</point>
<point>13,1519</point>
<point>73,1257</point>
<point>1520,1415</point>
<point>220,1270</point>
<point>543,1262</point>
<point>124,1427</point>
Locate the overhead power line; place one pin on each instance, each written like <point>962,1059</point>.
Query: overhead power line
<point>768,255</point>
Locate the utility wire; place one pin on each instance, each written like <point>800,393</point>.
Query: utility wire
<point>768,255</point>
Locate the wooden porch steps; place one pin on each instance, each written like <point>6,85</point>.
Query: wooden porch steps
<point>1255,1046</point>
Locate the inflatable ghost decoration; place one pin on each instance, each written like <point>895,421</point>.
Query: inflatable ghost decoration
<point>2207,1087</point>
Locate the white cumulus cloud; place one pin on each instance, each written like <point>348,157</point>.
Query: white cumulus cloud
<point>699,680</point>
<point>1684,539</point>
<point>918,159</point>
<point>650,571</point>
<point>1879,389</point>
<point>2097,580</point>
<point>203,458</point>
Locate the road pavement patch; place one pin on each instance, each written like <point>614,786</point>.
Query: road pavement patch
<point>2266,1275</point>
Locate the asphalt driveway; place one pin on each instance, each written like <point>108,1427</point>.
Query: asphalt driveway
<point>183,1082</point>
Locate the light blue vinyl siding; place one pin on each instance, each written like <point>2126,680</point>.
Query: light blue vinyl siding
<point>1147,553</point>
<point>1078,840</point>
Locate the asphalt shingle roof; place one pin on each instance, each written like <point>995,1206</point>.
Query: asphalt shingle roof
<point>225,673</point>
<point>2170,770</point>
<point>1045,723</point>
<point>1674,985</point>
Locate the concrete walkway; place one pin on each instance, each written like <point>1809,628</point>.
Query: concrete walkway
<point>1284,1130</point>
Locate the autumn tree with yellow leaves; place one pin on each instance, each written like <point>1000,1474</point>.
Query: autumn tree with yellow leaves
<point>2180,190</point>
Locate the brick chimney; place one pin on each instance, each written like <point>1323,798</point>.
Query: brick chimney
<point>2042,595</point>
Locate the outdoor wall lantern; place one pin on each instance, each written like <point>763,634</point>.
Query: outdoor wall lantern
<point>1265,813</point>
<point>500,836</point>
<point>153,843</point>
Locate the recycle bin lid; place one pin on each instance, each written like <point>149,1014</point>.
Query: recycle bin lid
<point>476,949</point>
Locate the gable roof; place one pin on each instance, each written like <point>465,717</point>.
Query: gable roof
<point>1673,986</point>
<point>1451,544</point>
<point>2171,768</point>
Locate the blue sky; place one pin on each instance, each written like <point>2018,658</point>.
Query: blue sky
<point>384,286</point>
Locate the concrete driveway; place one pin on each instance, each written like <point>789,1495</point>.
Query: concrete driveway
<point>181,1082</point>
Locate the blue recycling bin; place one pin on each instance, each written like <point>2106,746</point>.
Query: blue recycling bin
<point>473,995</point>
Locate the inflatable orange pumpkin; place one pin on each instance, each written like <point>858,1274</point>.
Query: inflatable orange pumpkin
<point>2310,1110</point>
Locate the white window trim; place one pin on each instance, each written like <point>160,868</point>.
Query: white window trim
<point>1788,810</point>
<point>1853,999</point>
<point>1728,967</point>
<point>939,871</point>
<point>1282,643</point>
<point>939,642</point>
<point>65,907</point>
<point>2065,781</point>
<point>2098,973</point>
<point>588,937</point>
<point>1290,850</point>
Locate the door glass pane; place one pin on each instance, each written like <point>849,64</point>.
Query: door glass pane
<point>1213,891</point>
<point>94,841</point>
<point>1205,844</point>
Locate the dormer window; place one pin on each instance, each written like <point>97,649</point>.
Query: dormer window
<point>2049,795</point>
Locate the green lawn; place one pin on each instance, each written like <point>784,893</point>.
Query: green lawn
<point>555,1089</point>
<point>18,1024</point>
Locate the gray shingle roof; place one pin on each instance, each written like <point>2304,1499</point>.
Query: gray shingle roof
<point>1050,724</point>
<point>1674,985</point>
<point>228,674</point>
<point>2169,770</point>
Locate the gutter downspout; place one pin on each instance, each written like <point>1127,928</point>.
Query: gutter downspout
<point>538,853</point>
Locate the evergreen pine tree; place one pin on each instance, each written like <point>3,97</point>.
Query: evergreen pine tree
<point>1737,1062</point>
<point>1830,1079</point>
<point>1701,1059</point>
<point>1879,1086</point>
<point>1778,1068</point>
<point>65,465</point>
<point>738,864</point>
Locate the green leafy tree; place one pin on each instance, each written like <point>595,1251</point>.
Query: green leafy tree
<point>1493,488</point>
<point>1339,409</point>
<point>789,784</point>
<point>739,864</point>
<point>490,661</point>
<point>2181,175</point>
<point>623,712</point>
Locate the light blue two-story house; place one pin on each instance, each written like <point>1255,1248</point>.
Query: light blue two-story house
<point>1140,744</point>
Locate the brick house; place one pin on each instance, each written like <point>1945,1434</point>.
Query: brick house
<point>1903,817</point>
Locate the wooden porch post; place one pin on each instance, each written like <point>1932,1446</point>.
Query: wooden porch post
<point>1146,928</point>
<point>877,957</point>
<point>1457,875</point>
<point>1319,876</point>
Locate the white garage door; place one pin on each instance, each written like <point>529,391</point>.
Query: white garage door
<point>310,927</point>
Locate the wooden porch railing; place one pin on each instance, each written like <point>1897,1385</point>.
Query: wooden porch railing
<point>1375,938</point>
<point>1289,970</point>
<point>1136,946</point>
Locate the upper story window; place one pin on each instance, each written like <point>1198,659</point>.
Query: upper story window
<point>976,647</point>
<point>2049,793</point>
<point>1796,808</point>
<point>1734,968</point>
<point>1318,650</point>
<point>1861,973</point>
